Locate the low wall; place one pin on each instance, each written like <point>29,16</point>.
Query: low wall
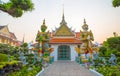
<point>95,72</point>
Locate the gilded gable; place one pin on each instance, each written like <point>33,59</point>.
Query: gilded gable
<point>64,31</point>
<point>5,31</point>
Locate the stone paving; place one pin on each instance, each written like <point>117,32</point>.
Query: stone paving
<point>66,68</point>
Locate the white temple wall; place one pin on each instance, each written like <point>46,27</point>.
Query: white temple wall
<point>73,52</point>
<point>55,52</point>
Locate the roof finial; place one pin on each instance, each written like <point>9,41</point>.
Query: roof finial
<point>63,18</point>
<point>44,21</point>
<point>43,26</point>
<point>85,26</point>
<point>63,13</point>
<point>84,21</point>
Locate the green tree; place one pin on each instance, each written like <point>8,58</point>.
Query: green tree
<point>4,48</point>
<point>116,3</point>
<point>113,46</point>
<point>24,47</point>
<point>8,49</point>
<point>16,8</point>
<point>103,50</point>
<point>114,43</point>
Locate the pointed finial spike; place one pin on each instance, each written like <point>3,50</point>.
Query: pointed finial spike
<point>44,21</point>
<point>84,21</point>
<point>63,19</point>
<point>43,26</point>
<point>63,12</point>
<point>63,8</point>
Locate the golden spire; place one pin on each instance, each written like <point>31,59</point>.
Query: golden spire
<point>43,26</point>
<point>63,18</point>
<point>63,14</point>
<point>85,26</point>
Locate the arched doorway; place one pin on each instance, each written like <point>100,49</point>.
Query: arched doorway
<point>64,52</point>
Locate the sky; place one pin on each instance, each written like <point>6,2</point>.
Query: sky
<point>103,19</point>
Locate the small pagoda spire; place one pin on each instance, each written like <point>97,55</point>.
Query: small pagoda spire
<point>85,26</point>
<point>84,21</point>
<point>63,18</point>
<point>44,22</point>
<point>43,26</point>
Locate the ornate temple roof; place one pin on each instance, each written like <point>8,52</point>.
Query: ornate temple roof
<point>8,37</point>
<point>1,27</point>
<point>63,30</point>
<point>12,35</point>
<point>4,32</point>
<point>66,40</point>
<point>63,34</point>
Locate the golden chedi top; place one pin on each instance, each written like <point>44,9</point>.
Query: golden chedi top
<point>85,34</point>
<point>43,26</point>
<point>85,26</point>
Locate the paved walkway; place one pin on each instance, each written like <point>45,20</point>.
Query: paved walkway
<point>66,68</point>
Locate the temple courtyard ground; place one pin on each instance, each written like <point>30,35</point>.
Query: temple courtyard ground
<point>66,68</point>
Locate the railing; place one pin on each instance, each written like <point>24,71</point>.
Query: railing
<point>95,72</point>
<point>51,60</point>
<point>38,74</point>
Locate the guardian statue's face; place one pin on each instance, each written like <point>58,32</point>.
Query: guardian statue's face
<point>85,27</point>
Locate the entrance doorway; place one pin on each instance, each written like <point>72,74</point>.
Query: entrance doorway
<point>64,52</point>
